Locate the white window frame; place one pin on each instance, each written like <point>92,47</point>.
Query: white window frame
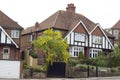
<point>15,34</point>
<point>79,37</point>
<point>97,39</point>
<point>116,33</point>
<point>74,51</point>
<point>6,55</point>
<point>30,37</point>
<point>93,53</point>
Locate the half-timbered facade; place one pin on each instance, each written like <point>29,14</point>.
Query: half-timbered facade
<point>81,34</point>
<point>9,38</point>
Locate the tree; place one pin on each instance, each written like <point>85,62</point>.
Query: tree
<point>53,46</point>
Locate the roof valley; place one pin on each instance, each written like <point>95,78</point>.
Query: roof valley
<point>56,18</point>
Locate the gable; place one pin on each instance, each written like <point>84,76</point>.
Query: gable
<point>97,32</point>
<point>5,38</point>
<point>98,28</point>
<point>80,29</point>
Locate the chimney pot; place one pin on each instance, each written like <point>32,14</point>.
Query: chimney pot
<point>70,8</point>
<point>36,25</point>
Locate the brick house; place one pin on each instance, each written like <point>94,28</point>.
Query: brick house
<point>9,38</point>
<point>115,30</point>
<point>82,34</point>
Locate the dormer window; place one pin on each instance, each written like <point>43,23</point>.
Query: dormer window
<point>79,37</point>
<point>97,39</point>
<point>15,34</point>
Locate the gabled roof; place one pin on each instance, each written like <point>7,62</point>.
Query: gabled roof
<point>63,20</point>
<point>117,25</point>
<point>7,22</point>
<point>9,37</point>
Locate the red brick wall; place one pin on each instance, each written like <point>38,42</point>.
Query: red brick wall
<point>97,32</point>
<point>80,29</point>
<point>14,52</point>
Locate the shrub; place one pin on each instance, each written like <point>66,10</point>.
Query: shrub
<point>25,65</point>
<point>113,70</point>
<point>73,62</point>
<point>83,66</point>
<point>33,54</point>
<point>80,56</point>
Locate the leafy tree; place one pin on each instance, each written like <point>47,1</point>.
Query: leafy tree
<point>114,58</point>
<point>53,46</point>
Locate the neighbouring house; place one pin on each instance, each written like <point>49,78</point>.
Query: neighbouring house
<point>82,34</point>
<point>10,38</point>
<point>115,30</point>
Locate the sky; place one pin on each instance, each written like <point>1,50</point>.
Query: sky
<point>28,12</point>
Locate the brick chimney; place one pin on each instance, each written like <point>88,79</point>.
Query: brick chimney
<point>70,8</point>
<point>36,25</point>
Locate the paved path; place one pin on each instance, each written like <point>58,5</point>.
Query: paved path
<point>94,78</point>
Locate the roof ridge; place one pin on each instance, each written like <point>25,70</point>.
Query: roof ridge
<point>56,18</point>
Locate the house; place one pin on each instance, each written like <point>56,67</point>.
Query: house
<point>115,30</point>
<point>10,38</point>
<point>82,34</point>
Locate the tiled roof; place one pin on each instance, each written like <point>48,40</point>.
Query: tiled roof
<point>7,22</point>
<point>63,20</point>
<point>117,25</point>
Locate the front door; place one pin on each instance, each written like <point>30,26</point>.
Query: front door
<point>6,52</point>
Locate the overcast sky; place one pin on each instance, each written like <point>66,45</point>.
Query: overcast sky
<point>27,12</point>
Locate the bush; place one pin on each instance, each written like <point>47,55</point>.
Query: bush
<point>73,62</point>
<point>41,68</point>
<point>83,66</point>
<point>80,56</point>
<point>25,65</point>
<point>33,54</point>
<point>113,70</point>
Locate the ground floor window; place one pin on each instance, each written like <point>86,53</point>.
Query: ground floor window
<point>74,51</point>
<point>94,52</point>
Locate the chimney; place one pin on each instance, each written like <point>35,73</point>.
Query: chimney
<point>71,8</point>
<point>36,25</point>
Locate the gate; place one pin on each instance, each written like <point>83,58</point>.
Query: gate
<point>57,69</point>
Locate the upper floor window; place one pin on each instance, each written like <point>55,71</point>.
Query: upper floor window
<point>15,34</point>
<point>97,39</point>
<point>79,37</point>
<point>30,37</point>
<point>116,33</point>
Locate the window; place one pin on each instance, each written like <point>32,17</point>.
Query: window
<point>15,34</point>
<point>30,37</point>
<point>97,39</point>
<point>116,33</point>
<point>74,51</point>
<point>79,37</point>
<point>93,53</point>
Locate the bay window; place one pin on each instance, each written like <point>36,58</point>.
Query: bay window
<point>75,51</point>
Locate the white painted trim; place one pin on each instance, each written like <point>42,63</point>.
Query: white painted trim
<point>94,29</point>
<point>76,26</point>
<point>9,37</point>
<point>98,25</point>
